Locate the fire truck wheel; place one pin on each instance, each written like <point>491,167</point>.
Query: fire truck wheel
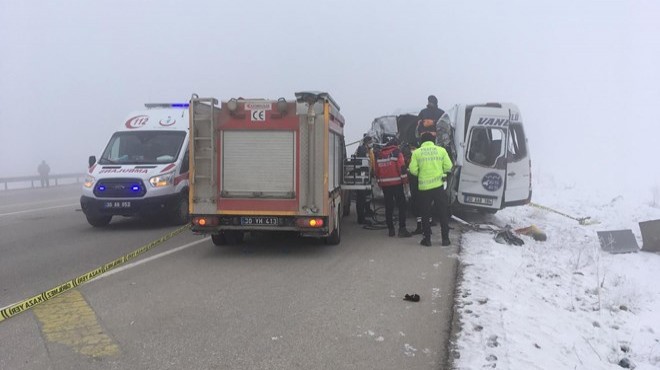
<point>227,238</point>
<point>234,237</point>
<point>99,221</point>
<point>219,239</point>
<point>335,236</point>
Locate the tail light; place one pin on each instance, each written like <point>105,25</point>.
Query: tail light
<point>205,221</point>
<point>310,222</point>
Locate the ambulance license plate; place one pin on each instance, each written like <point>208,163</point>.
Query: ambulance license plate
<point>478,200</point>
<point>115,205</point>
<point>259,221</point>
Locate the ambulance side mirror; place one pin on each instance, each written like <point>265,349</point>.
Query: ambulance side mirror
<point>91,160</point>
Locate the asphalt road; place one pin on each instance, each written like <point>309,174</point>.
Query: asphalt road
<point>275,302</point>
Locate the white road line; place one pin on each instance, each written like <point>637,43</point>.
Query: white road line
<point>40,202</point>
<point>38,209</point>
<point>137,263</point>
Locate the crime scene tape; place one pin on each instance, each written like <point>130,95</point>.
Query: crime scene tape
<point>582,220</point>
<point>27,304</point>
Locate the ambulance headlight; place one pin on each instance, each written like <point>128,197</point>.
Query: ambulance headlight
<point>162,180</point>
<point>89,181</point>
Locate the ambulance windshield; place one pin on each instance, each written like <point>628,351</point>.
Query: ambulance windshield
<point>143,147</point>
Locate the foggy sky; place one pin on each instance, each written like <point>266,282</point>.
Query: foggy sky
<point>584,73</point>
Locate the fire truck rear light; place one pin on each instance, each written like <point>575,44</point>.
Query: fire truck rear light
<point>205,221</point>
<point>314,222</point>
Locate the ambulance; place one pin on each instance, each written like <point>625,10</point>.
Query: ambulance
<point>143,169</point>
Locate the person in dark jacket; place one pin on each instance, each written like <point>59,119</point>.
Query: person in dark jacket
<point>362,205</point>
<point>428,117</point>
<point>44,170</point>
<point>427,122</point>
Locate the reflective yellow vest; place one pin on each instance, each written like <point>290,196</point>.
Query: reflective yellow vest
<point>430,163</point>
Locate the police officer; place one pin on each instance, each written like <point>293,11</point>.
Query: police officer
<point>431,164</point>
<point>391,175</point>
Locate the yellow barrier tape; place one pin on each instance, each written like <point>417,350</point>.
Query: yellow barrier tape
<point>582,220</point>
<point>27,304</point>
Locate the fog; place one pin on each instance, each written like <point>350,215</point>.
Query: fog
<point>584,74</point>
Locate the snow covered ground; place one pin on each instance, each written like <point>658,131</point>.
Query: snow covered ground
<point>562,303</point>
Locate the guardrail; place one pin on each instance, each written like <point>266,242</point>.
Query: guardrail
<point>37,179</point>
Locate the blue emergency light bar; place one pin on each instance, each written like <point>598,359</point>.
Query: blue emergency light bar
<point>167,105</point>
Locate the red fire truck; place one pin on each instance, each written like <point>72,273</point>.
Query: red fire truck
<point>267,165</point>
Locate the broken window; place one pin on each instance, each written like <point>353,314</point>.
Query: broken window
<point>517,149</point>
<point>485,146</point>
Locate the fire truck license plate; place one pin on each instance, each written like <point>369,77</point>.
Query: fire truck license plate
<point>259,221</point>
<point>117,204</point>
<point>478,200</point>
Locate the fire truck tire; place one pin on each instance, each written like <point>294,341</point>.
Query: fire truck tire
<point>99,221</point>
<point>234,237</point>
<point>219,239</point>
<point>180,214</point>
<point>335,236</point>
<point>227,238</point>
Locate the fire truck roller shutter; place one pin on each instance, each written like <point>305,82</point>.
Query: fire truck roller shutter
<point>258,164</point>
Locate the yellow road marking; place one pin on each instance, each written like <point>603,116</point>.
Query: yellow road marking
<point>68,319</point>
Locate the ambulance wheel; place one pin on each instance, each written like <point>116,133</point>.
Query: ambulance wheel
<point>99,221</point>
<point>180,214</point>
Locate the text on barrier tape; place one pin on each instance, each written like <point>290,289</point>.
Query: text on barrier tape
<point>26,304</point>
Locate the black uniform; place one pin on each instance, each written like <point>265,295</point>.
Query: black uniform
<point>362,205</point>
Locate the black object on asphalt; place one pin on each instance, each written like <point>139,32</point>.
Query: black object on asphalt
<point>411,297</point>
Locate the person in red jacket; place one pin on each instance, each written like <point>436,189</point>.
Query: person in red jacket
<point>391,176</point>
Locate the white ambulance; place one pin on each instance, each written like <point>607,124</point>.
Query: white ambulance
<point>493,166</point>
<point>143,169</point>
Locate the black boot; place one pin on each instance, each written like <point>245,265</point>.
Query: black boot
<point>403,233</point>
<point>392,232</point>
<point>426,241</point>
<point>446,241</point>
<point>418,230</point>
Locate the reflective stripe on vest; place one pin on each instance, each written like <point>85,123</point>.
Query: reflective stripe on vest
<point>387,172</point>
<point>428,184</point>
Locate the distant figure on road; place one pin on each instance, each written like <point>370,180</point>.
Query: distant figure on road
<point>44,170</point>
